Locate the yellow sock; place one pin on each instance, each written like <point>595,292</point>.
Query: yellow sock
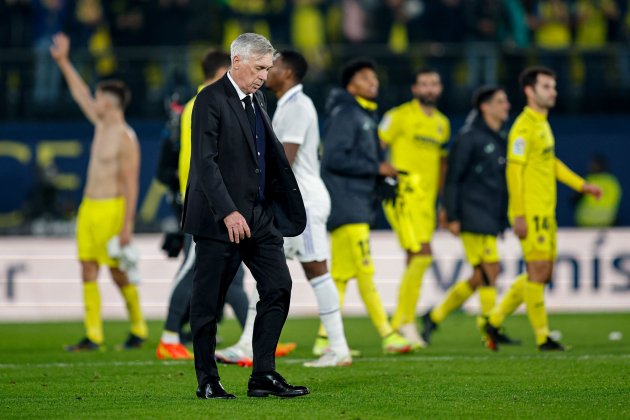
<point>455,297</point>
<point>132,299</point>
<point>93,322</point>
<point>536,311</point>
<point>409,291</point>
<point>511,300</point>
<point>373,303</point>
<point>341,290</point>
<point>487,299</point>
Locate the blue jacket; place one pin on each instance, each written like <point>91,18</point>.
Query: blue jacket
<point>350,160</point>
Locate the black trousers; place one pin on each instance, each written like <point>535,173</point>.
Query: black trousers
<point>217,263</point>
<point>179,303</point>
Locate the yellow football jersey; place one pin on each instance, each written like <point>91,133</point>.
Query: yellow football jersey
<point>417,142</point>
<point>185,142</point>
<point>531,144</point>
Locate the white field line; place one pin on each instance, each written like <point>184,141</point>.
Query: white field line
<point>356,360</point>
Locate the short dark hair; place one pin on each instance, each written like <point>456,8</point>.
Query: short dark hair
<point>422,71</point>
<point>529,76</point>
<point>296,62</point>
<point>117,88</point>
<point>484,94</point>
<point>352,67</point>
<point>212,61</point>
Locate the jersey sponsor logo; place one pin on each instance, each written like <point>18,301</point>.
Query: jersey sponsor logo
<point>425,139</point>
<point>518,148</point>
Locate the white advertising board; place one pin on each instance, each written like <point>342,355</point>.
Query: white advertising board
<point>39,277</point>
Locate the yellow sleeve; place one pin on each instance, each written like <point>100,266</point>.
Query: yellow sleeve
<point>518,149</point>
<point>517,155</point>
<point>388,127</point>
<point>568,177</point>
<point>514,178</point>
<point>185,145</point>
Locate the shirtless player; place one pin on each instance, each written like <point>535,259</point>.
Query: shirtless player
<point>109,199</point>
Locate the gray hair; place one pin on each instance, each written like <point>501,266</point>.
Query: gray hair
<point>248,44</point>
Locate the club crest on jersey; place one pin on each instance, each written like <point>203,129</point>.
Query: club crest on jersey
<point>518,148</point>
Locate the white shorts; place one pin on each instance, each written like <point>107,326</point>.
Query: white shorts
<point>312,244</point>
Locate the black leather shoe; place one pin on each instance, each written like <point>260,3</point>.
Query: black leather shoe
<point>213,390</point>
<point>273,384</point>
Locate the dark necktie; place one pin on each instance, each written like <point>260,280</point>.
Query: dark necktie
<point>249,110</point>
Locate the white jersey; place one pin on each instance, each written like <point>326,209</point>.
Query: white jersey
<point>295,121</point>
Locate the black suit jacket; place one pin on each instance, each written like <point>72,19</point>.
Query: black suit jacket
<point>224,167</point>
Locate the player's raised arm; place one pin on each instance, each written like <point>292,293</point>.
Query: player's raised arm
<point>129,172</point>
<point>79,90</point>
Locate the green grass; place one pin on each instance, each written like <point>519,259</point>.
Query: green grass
<point>455,378</point>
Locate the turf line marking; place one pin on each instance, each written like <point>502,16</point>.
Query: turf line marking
<point>394,359</point>
<point>88,364</point>
<point>415,358</point>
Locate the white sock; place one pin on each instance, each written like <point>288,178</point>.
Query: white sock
<point>170,337</point>
<point>248,330</point>
<point>329,312</point>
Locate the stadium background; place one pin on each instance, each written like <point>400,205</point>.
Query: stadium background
<point>155,46</point>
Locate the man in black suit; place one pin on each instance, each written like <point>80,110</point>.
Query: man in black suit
<point>241,199</point>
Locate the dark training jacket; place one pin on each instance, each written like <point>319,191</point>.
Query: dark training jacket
<point>475,192</point>
<point>350,160</point>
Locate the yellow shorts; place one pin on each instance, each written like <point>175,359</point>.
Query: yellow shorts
<point>351,251</point>
<point>480,248</point>
<point>540,242</point>
<point>97,222</point>
<point>412,215</point>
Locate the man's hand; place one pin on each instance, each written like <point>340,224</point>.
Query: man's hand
<point>124,237</point>
<point>520,227</point>
<point>60,48</point>
<point>455,227</point>
<point>386,169</point>
<point>592,189</point>
<point>237,227</point>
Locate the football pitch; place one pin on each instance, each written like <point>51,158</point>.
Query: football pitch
<point>455,378</point>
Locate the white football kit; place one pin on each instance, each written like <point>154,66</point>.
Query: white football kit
<point>295,121</point>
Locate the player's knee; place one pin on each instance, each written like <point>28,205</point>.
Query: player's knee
<point>540,271</point>
<point>120,277</point>
<point>314,269</point>
<point>475,281</point>
<point>425,249</point>
<point>491,272</point>
<point>89,270</point>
